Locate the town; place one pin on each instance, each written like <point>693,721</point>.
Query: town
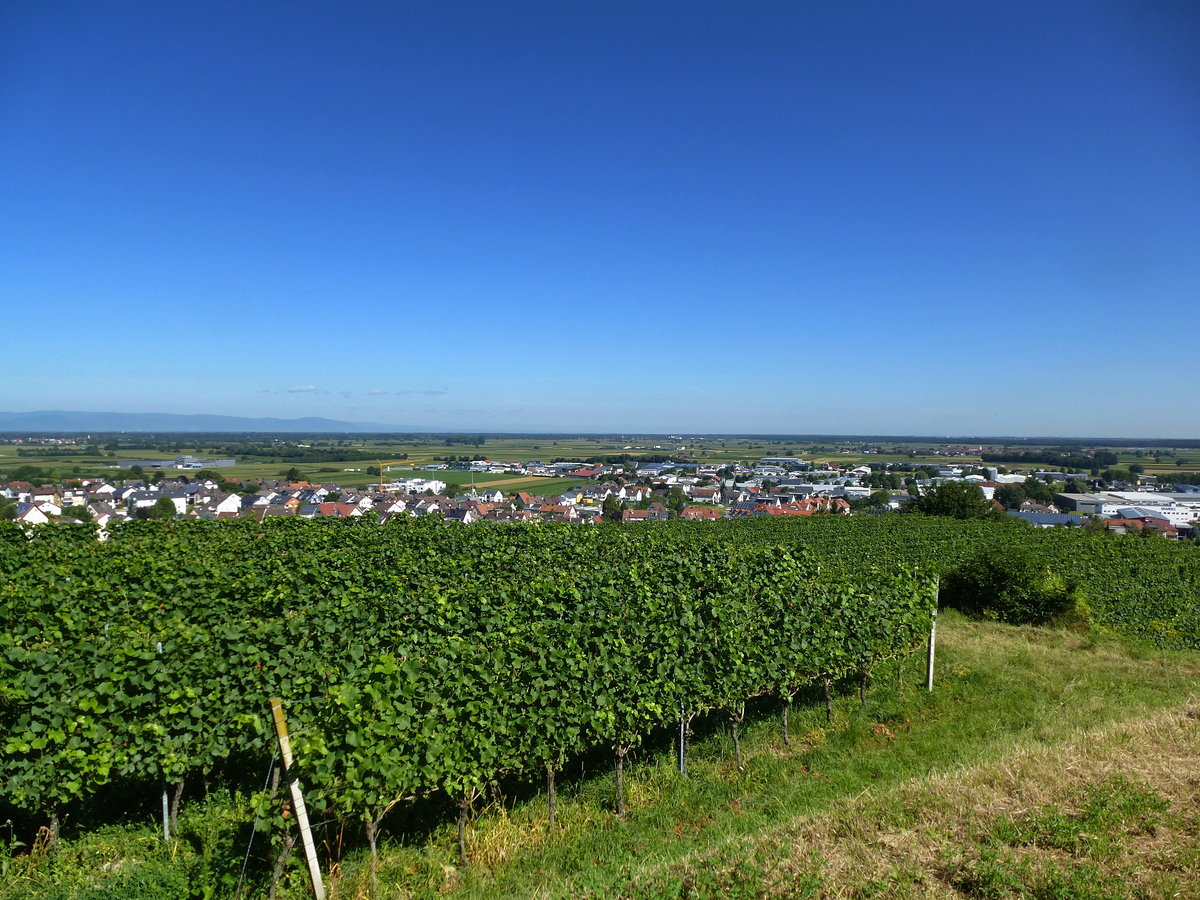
<point>1120,501</point>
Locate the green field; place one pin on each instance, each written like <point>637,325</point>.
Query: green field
<point>423,451</point>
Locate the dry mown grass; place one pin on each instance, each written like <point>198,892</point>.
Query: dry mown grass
<point>919,839</point>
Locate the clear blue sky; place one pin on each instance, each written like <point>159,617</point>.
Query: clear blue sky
<point>928,217</point>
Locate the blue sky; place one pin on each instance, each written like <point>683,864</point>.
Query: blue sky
<point>929,217</point>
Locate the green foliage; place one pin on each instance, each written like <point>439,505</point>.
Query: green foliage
<point>146,658</point>
<point>612,508</point>
<point>956,499</point>
<point>1010,496</point>
<point>416,657</point>
<point>1037,490</point>
<point>163,508</point>
<point>1011,586</point>
<point>1061,458</point>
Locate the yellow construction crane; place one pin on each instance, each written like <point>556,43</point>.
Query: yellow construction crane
<point>394,462</point>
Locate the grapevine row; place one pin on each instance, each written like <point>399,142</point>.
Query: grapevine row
<point>427,657</point>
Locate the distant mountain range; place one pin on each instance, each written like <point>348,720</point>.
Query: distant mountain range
<point>54,420</point>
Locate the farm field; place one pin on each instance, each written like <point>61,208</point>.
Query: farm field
<point>421,450</point>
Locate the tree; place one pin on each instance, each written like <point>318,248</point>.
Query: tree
<point>163,508</point>
<point>956,499</point>
<point>1038,491</point>
<point>8,509</point>
<point>676,500</point>
<point>82,513</point>
<point>612,508</point>
<point>294,474</point>
<point>1011,496</point>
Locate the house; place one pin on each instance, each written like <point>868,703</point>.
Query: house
<point>387,506</point>
<point>558,512</point>
<point>49,507</point>
<point>644,515</point>
<point>741,508</point>
<point>504,514</point>
<point>21,491</point>
<point>223,504</point>
<point>102,513</point>
<point>46,494</point>
<point>1122,526</point>
<point>312,495</point>
<point>252,500</point>
<point>74,497</point>
<point>769,471</point>
<point>702,513</point>
<point>598,493</point>
<point>636,493</point>
<point>1048,519</point>
<point>338,510</point>
<point>654,470</point>
<point>141,499</point>
<point>28,514</point>
<point>1143,523</point>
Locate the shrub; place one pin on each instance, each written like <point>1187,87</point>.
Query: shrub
<point>1013,586</point>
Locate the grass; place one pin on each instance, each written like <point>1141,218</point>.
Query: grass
<point>1005,695</point>
<point>1044,764</point>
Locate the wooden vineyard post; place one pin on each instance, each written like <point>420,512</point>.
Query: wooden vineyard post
<point>285,751</point>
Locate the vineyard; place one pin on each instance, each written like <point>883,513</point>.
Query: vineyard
<point>1142,587</point>
<point>415,658</point>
